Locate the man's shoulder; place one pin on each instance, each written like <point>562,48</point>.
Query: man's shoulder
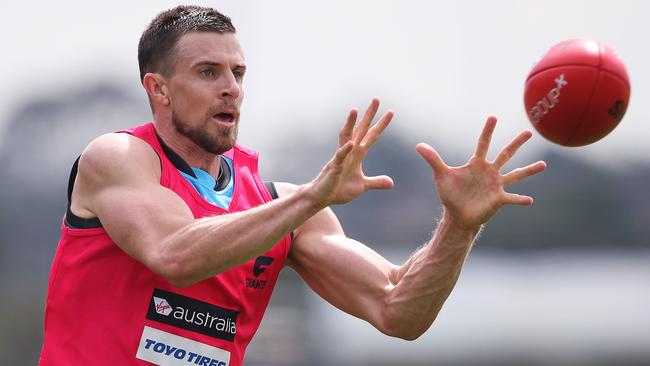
<point>116,154</point>
<point>112,146</point>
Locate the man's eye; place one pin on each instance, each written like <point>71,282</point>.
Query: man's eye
<point>239,74</point>
<point>207,72</point>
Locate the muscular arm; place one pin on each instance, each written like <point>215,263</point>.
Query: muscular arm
<point>118,181</point>
<point>404,301</point>
<point>401,301</point>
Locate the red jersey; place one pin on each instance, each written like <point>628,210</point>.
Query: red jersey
<point>105,308</point>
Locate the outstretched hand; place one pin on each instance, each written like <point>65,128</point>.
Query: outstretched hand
<point>342,179</point>
<point>474,192</point>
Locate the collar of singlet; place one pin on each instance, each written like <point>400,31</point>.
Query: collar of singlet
<point>183,166</point>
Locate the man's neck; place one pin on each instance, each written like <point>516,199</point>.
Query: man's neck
<point>193,154</point>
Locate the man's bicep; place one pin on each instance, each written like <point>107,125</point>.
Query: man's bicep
<point>139,218</point>
<point>322,236</point>
<point>318,228</point>
<point>118,182</point>
<point>343,271</point>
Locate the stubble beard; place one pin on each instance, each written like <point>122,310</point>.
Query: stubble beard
<point>217,144</point>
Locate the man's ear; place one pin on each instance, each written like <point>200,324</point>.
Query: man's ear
<point>156,87</point>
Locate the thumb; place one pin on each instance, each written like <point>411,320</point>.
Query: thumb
<point>431,156</point>
<point>379,182</point>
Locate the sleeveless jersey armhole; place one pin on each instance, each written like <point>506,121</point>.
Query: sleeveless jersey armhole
<point>71,220</point>
<point>270,186</point>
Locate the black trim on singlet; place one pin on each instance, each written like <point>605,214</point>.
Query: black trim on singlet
<point>270,186</point>
<point>72,220</point>
<point>224,169</point>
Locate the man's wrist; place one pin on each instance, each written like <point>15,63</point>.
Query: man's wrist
<point>455,224</point>
<point>306,192</point>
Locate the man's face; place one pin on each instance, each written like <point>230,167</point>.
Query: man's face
<point>205,89</point>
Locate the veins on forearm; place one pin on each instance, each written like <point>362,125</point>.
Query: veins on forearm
<point>425,281</point>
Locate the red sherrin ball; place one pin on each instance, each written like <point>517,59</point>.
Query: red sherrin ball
<point>577,93</point>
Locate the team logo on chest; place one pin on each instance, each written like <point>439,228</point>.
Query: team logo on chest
<point>261,264</point>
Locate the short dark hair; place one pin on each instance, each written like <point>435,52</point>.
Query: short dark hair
<point>156,48</point>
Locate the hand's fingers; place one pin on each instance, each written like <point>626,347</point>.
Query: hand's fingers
<point>509,151</point>
<point>342,152</point>
<point>364,123</point>
<point>486,137</point>
<point>432,157</point>
<point>517,199</point>
<point>519,174</point>
<point>375,131</point>
<point>345,134</point>
<point>378,182</point>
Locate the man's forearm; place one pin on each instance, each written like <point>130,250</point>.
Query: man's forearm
<point>209,246</point>
<point>425,281</point>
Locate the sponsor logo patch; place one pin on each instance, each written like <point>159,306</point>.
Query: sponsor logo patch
<point>166,349</point>
<point>162,306</point>
<point>191,314</point>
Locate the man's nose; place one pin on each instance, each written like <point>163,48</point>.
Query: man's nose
<point>231,87</point>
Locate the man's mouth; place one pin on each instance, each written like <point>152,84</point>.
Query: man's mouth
<point>225,117</point>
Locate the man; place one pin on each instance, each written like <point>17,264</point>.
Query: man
<point>172,243</point>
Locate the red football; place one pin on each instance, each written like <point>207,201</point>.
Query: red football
<point>577,93</point>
